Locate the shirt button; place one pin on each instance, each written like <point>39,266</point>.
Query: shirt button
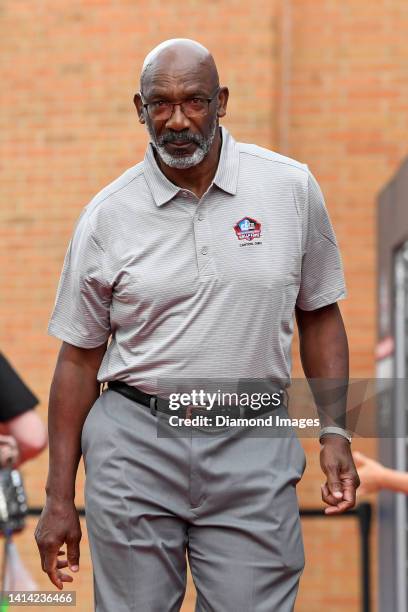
<point>184,194</point>
<point>204,250</point>
<point>200,217</point>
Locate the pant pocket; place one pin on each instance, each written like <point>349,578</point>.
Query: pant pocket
<point>298,455</point>
<point>89,427</point>
<point>302,457</point>
<point>291,531</point>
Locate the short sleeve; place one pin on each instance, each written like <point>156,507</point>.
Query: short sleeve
<point>82,307</point>
<point>15,397</point>
<point>322,278</point>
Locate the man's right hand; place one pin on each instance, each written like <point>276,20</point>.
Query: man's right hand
<point>74,390</point>
<point>59,524</point>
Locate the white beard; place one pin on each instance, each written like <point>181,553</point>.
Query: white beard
<point>185,161</point>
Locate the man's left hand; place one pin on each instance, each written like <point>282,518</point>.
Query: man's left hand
<point>336,460</point>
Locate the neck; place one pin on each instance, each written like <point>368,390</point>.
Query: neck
<point>197,178</point>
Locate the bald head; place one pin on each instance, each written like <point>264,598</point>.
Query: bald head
<point>176,57</point>
<point>180,102</point>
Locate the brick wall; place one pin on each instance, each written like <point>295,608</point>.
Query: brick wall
<point>320,80</point>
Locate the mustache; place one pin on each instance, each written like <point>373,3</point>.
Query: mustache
<point>179,137</point>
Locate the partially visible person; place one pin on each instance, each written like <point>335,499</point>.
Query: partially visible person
<point>9,454</point>
<point>22,433</point>
<point>374,476</point>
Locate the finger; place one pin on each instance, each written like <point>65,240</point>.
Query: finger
<point>341,507</point>
<point>50,567</point>
<point>61,564</point>
<point>8,454</point>
<point>349,498</point>
<point>5,455</point>
<point>8,447</point>
<point>73,554</point>
<point>335,485</point>
<point>65,577</point>
<point>327,497</point>
<point>349,492</point>
<point>332,510</point>
<point>54,577</point>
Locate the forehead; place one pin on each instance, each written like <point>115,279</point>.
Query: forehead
<point>175,74</point>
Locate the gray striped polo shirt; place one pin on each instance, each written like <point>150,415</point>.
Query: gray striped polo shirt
<point>190,288</point>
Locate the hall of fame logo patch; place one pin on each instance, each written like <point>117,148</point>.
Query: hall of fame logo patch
<point>247,229</point>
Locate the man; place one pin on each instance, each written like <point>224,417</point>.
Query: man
<point>193,262</point>
<point>22,433</point>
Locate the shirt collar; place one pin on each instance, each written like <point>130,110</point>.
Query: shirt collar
<point>226,177</point>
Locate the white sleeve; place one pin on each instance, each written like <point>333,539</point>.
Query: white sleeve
<point>322,279</point>
<point>81,314</point>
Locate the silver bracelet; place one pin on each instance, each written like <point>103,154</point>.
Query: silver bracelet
<point>335,430</point>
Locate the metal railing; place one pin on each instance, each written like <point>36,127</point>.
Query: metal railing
<point>363,512</point>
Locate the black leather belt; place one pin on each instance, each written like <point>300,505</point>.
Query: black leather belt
<point>159,404</point>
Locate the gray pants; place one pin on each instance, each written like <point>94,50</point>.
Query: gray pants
<point>229,501</point>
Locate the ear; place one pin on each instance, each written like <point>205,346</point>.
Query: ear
<point>137,101</point>
<point>223,96</point>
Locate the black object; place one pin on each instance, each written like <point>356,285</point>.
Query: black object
<point>159,404</point>
<point>5,560</point>
<point>15,397</point>
<point>364,512</point>
<point>13,501</point>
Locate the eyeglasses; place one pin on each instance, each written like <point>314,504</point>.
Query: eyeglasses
<point>192,107</point>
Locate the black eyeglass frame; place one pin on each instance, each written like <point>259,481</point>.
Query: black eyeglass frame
<point>173,104</point>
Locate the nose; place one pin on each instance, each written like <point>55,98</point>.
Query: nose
<point>178,121</point>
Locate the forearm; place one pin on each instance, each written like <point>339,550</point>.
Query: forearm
<point>74,390</point>
<point>325,360</point>
<point>394,480</point>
